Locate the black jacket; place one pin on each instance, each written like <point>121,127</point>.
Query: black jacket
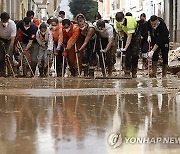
<point>143,28</point>
<point>160,35</point>
<point>29,34</point>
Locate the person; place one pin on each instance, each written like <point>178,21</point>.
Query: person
<point>126,26</point>
<point>27,36</point>
<point>88,47</point>
<point>160,39</point>
<point>128,14</point>
<point>31,14</point>
<point>56,30</point>
<point>70,33</point>
<point>45,40</point>
<point>107,47</point>
<point>61,16</point>
<point>143,28</point>
<point>96,18</point>
<point>49,21</point>
<point>7,39</point>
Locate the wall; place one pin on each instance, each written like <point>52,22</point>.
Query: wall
<point>53,7</point>
<point>16,8</point>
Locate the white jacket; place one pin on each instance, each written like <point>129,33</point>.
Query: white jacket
<point>48,40</point>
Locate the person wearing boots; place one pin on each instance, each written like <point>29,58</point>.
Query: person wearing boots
<point>160,39</point>
<point>56,29</point>
<point>88,47</point>
<point>70,33</point>
<point>45,40</point>
<point>27,37</point>
<point>127,26</point>
<point>106,46</point>
<point>143,28</point>
<point>7,39</point>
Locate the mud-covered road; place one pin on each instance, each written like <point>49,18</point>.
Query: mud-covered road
<point>82,116</point>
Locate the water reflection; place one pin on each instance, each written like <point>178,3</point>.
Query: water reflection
<point>82,124</point>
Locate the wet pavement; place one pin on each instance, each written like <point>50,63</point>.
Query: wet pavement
<point>82,116</point>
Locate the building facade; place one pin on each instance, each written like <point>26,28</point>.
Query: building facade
<point>169,10</point>
<point>53,7</point>
<point>172,18</point>
<point>105,8</point>
<point>16,8</point>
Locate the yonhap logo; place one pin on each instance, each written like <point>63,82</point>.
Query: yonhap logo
<point>115,140</point>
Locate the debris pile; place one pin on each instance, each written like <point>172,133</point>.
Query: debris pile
<point>174,59</point>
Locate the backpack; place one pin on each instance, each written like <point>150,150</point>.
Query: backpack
<point>114,31</point>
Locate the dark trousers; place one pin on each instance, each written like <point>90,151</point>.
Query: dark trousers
<point>109,56</point>
<point>4,49</point>
<point>164,51</point>
<point>32,55</point>
<point>132,54</point>
<point>144,50</point>
<point>89,56</point>
<point>144,47</point>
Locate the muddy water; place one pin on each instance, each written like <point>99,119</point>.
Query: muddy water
<point>33,121</point>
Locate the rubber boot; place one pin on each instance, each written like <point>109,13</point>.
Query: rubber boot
<point>41,71</point>
<point>3,72</point>
<point>164,70</point>
<point>144,66</point>
<point>45,71</point>
<point>110,70</point>
<point>25,71</point>
<point>85,71</point>
<point>91,73</point>
<point>127,73</point>
<point>59,72</point>
<point>103,72</point>
<point>154,70</point>
<point>73,72</point>
<point>20,71</point>
<point>134,72</point>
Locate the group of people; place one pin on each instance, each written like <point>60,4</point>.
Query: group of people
<point>80,45</point>
<point>150,38</point>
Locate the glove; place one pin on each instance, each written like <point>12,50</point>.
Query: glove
<point>123,49</point>
<point>25,51</point>
<point>150,54</point>
<point>58,48</point>
<point>149,38</point>
<point>64,53</point>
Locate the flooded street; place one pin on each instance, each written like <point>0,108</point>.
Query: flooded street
<point>82,116</point>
